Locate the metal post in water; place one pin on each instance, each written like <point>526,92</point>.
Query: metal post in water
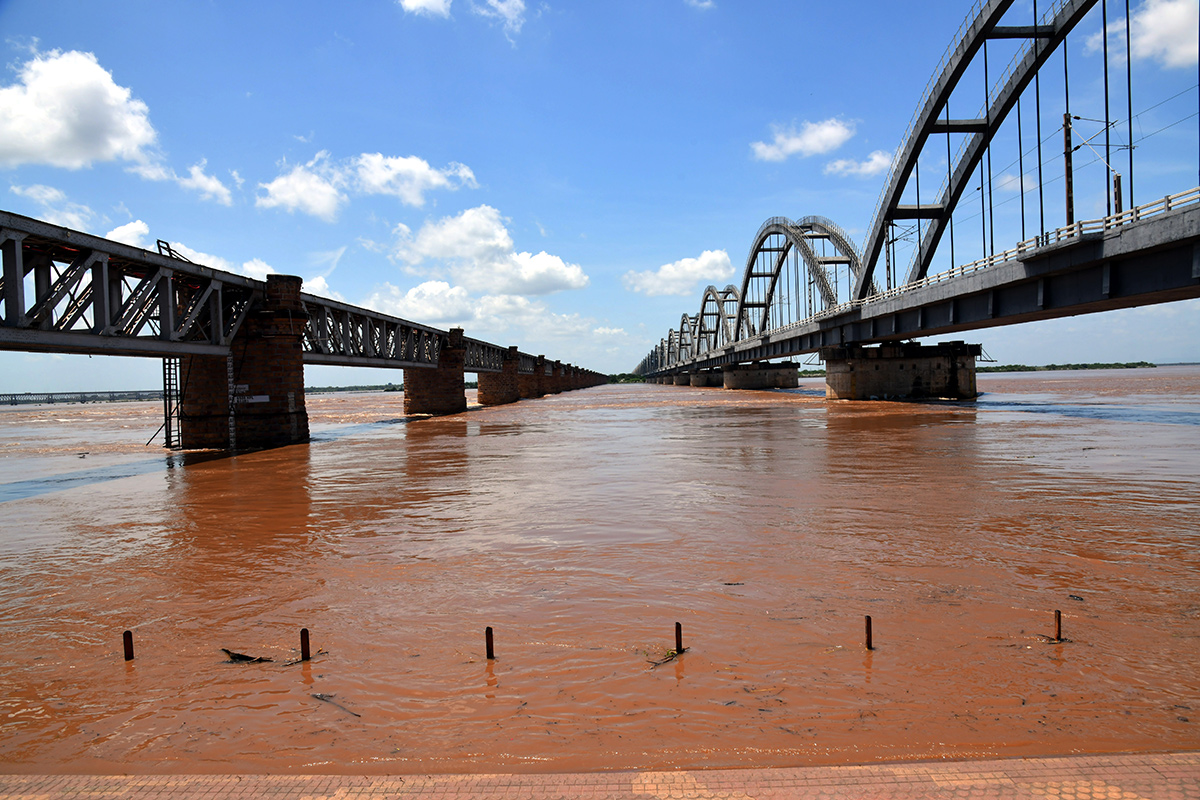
<point>487,635</point>
<point>678,638</point>
<point>1057,625</point>
<point>304,652</point>
<point>870,645</point>
<point>127,638</point>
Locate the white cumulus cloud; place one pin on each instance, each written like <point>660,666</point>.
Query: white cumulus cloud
<point>479,252</point>
<point>322,186</point>
<point>67,111</point>
<point>131,233</point>
<point>1165,30</point>
<point>432,302</point>
<point>434,8</point>
<point>210,188</point>
<point>55,207</point>
<point>701,3</point>
<point>680,277</point>
<point>877,162</point>
<point>813,138</point>
<point>408,178</point>
<point>313,188</point>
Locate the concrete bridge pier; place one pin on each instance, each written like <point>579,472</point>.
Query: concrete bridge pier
<point>760,375</point>
<point>710,377</point>
<point>441,390</point>
<point>498,388</point>
<point>682,379</point>
<point>901,371</point>
<point>254,397</point>
<point>555,384</point>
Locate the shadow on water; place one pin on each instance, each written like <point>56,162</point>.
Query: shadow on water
<point>23,490</point>
<point>1099,411</point>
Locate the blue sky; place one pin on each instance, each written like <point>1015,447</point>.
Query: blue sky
<point>563,176</point>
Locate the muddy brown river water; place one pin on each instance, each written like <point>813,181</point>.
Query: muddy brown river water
<point>581,527</point>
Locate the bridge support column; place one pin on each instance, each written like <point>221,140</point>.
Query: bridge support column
<point>441,390</point>
<point>555,384</point>
<point>901,371</point>
<point>760,376</point>
<point>530,385</point>
<point>254,398</point>
<point>682,379</point>
<point>498,388</point>
<point>711,377</point>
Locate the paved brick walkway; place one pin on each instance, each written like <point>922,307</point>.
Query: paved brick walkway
<point>1172,776</point>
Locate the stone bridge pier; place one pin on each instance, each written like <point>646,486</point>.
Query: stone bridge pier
<point>901,371</point>
<point>499,388</point>
<point>440,389</point>
<point>254,397</point>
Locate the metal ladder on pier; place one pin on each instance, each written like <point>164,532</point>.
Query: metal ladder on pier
<point>172,401</point>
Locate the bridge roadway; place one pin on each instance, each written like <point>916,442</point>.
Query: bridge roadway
<point>1149,254</point>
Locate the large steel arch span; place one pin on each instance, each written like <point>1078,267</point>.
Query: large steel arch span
<point>1043,40</point>
<point>775,240</point>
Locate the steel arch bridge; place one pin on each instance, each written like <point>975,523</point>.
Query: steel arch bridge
<point>798,272</point>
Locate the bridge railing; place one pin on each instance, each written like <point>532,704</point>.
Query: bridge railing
<point>1056,236</point>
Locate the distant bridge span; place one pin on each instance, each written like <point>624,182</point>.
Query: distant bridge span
<point>233,348</point>
<point>1150,254</point>
<point>807,287</point>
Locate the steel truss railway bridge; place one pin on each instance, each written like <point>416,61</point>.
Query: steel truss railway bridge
<point>234,348</point>
<point>808,288</point>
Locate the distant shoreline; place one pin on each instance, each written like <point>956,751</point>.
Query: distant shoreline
<point>27,398</point>
<point>1067,367</point>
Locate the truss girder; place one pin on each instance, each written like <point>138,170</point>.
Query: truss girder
<point>66,291</point>
<point>70,292</point>
<point>337,333</point>
<point>1042,41</point>
<point>483,357</point>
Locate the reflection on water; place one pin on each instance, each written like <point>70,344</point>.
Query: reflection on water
<point>581,527</point>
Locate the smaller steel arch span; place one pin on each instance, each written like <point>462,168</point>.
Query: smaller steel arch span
<point>796,235</point>
<point>714,324</point>
<point>687,337</point>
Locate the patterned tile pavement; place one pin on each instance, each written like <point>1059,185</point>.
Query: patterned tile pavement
<point>1171,776</point>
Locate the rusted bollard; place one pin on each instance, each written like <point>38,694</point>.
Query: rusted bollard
<point>870,646</point>
<point>487,635</point>
<point>127,638</point>
<point>678,638</point>
<point>1057,625</point>
<point>304,652</point>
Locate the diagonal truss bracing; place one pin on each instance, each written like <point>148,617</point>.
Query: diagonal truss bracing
<point>66,291</point>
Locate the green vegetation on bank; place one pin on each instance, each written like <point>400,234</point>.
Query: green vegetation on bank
<point>1056,367</point>
<point>625,377</point>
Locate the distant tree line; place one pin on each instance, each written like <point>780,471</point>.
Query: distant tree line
<point>1052,367</point>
